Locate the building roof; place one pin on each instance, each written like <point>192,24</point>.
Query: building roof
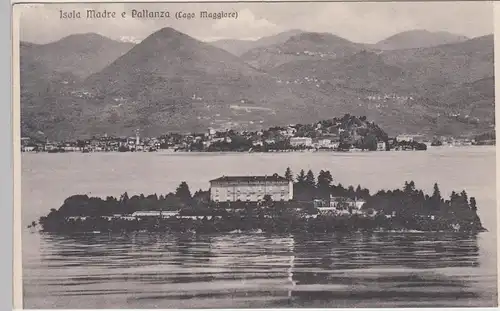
<point>274,177</point>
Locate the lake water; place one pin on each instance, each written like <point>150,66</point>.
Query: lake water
<point>252,269</point>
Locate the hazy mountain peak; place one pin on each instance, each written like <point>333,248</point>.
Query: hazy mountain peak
<point>316,37</point>
<point>79,54</point>
<point>419,38</point>
<point>83,37</point>
<point>425,32</point>
<point>292,32</point>
<point>239,47</point>
<point>161,57</point>
<point>167,32</point>
<point>170,39</point>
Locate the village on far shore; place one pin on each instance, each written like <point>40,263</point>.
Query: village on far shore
<point>348,133</point>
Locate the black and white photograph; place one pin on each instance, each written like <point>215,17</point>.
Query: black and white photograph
<point>255,155</point>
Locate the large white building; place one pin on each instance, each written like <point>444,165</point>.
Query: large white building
<point>410,138</point>
<point>301,141</point>
<point>250,188</point>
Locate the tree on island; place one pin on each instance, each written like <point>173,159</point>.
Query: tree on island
<point>436,197</point>
<point>454,197</point>
<point>464,196</point>
<point>201,197</point>
<point>325,180</point>
<point>409,187</point>
<point>358,190</point>
<point>182,192</point>
<point>305,187</point>
<point>288,174</point>
<point>473,204</point>
<point>310,180</point>
<point>124,198</point>
<point>301,178</point>
<point>351,192</point>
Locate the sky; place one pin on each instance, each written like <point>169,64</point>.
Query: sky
<point>358,22</point>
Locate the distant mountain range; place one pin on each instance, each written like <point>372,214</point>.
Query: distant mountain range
<point>81,54</point>
<point>303,46</point>
<point>88,85</point>
<point>238,47</point>
<point>403,40</point>
<point>418,39</point>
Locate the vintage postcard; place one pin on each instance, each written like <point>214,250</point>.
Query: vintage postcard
<point>255,155</point>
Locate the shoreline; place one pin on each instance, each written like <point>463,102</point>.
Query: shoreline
<point>167,152</point>
<point>261,232</point>
<point>312,226</point>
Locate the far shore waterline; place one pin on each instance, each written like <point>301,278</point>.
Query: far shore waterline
<point>320,152</point>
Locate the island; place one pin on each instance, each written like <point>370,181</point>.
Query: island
<point>268,204</point>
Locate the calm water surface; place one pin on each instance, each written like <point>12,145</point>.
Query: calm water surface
<point>256,270</point>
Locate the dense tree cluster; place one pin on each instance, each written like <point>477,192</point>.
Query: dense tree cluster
<point>400,209</point>
<point>307,187</point>
<point>411,206</point>
<point>83,205</point>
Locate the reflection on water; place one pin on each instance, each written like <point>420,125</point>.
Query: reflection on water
<point>257,270</point>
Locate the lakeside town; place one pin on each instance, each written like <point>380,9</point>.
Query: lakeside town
<point>348,133</point>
